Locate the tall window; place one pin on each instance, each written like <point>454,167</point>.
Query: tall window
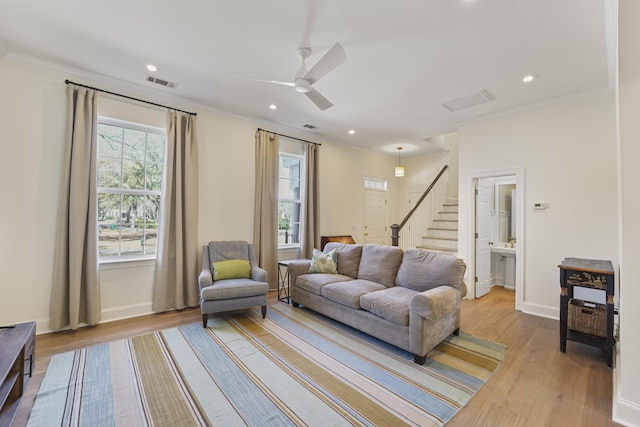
<point>130,164</point>
<point>289,199</point>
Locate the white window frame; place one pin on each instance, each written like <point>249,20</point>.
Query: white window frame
<point>375,184</point>
<point>135,192</point>
<point>300,200</point>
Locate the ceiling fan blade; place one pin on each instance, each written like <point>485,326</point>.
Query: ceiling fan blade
<point>320,101</point>
<point>334,57</point>
<point>290,84</point>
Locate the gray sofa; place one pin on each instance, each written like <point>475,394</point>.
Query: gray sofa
<point>410,298</point>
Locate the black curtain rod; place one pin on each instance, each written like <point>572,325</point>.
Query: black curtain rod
<point>129,97</point>
<point>291,137</point>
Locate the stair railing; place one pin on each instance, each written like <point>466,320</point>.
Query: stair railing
<point>396,228</point>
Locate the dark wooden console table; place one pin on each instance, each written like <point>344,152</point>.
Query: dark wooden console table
<point>594,274</point>
<point>340,239</point>
<point>17,350</point>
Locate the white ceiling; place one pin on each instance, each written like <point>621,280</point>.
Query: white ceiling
<point>405,58</point>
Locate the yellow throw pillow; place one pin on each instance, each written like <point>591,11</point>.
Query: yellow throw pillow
<point>231,269</point>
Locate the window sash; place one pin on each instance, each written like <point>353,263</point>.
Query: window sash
<point>290,192</point>
<point>128,224</point>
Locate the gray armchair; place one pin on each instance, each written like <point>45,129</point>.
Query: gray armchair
<point>231,293</point>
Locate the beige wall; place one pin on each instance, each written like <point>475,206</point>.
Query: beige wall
<point>567,151</point>
<point>627,404</point>
<point>32,119</point>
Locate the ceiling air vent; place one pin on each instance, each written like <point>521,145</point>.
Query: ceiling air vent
<point>161,82</point>
<point>468,101</point>
<point>308,126</point>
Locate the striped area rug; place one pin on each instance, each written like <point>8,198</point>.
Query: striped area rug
<point>293,368</point>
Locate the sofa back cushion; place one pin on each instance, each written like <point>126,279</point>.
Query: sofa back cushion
<point>380,264</point>
<point>348,257</point>
<point>423,270</point>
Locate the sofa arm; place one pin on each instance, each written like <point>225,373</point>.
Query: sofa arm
<point>297,268</point>
<point>258,274</point>
<point>435,303</point>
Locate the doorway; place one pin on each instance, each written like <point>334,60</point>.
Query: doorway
<point>375,216</point>
<point>495,223</point>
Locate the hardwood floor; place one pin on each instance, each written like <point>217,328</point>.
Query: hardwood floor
<point>536,385</point>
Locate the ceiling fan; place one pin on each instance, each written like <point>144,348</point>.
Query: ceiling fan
<point>304,80</point>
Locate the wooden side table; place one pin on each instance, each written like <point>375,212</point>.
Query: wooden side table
<point>593,274</point>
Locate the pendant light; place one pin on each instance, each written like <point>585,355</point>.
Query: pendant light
<point>399,168</point>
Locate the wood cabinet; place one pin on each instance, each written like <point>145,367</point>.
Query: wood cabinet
<point>17,350</point>
<point>593,274</point>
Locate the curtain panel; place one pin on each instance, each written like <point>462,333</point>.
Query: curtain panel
<point>311,228</point>
<point>265,217</point>
<point>75,295</point>
<point>176,269</point>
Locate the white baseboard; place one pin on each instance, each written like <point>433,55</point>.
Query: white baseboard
<point>541,310</point>
<point>126,312</point>
<point>107,315</point>
<point>624,411</point>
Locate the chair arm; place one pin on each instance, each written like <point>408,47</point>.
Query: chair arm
<point>205,278</point>
<point>435,303</point>
<point>258,274</point>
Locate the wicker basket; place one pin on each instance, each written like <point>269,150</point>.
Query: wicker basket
<point>588,317</point>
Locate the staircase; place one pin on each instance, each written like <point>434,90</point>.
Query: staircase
<point>442,234</point>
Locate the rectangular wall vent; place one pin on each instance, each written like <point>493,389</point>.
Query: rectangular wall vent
<point>468,101</point>
<point>161,82</point>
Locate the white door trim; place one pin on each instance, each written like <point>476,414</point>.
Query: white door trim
<point>470,255</point>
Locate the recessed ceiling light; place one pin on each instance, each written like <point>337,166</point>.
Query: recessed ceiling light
<point>273,106</point>
<point>152,68</point>
<point>351,132</point>
<point>528,78</point>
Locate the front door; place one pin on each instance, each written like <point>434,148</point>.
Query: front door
<point>375,217</point>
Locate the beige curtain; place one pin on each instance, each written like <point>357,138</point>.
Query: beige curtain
<point>311,237</point>
<point>176,271</point>
<point>76,281</point>
<point>265,218</point>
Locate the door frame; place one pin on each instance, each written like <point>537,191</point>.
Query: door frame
<point>469,182</point>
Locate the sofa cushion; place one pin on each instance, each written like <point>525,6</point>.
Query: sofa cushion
<point>324,262</point>
<point>423,270</point>
<point>348,257</point>
<point>391,304</point>
<point>349,293</point>
<point>380,264</point>
<point>315,282</point>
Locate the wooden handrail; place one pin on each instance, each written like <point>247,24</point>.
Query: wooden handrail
<point>395,228</point>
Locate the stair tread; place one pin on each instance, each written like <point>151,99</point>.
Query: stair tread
<point>447,229</point>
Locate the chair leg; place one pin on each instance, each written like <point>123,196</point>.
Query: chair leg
<point>205,318</point>
<point>264,311</point>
